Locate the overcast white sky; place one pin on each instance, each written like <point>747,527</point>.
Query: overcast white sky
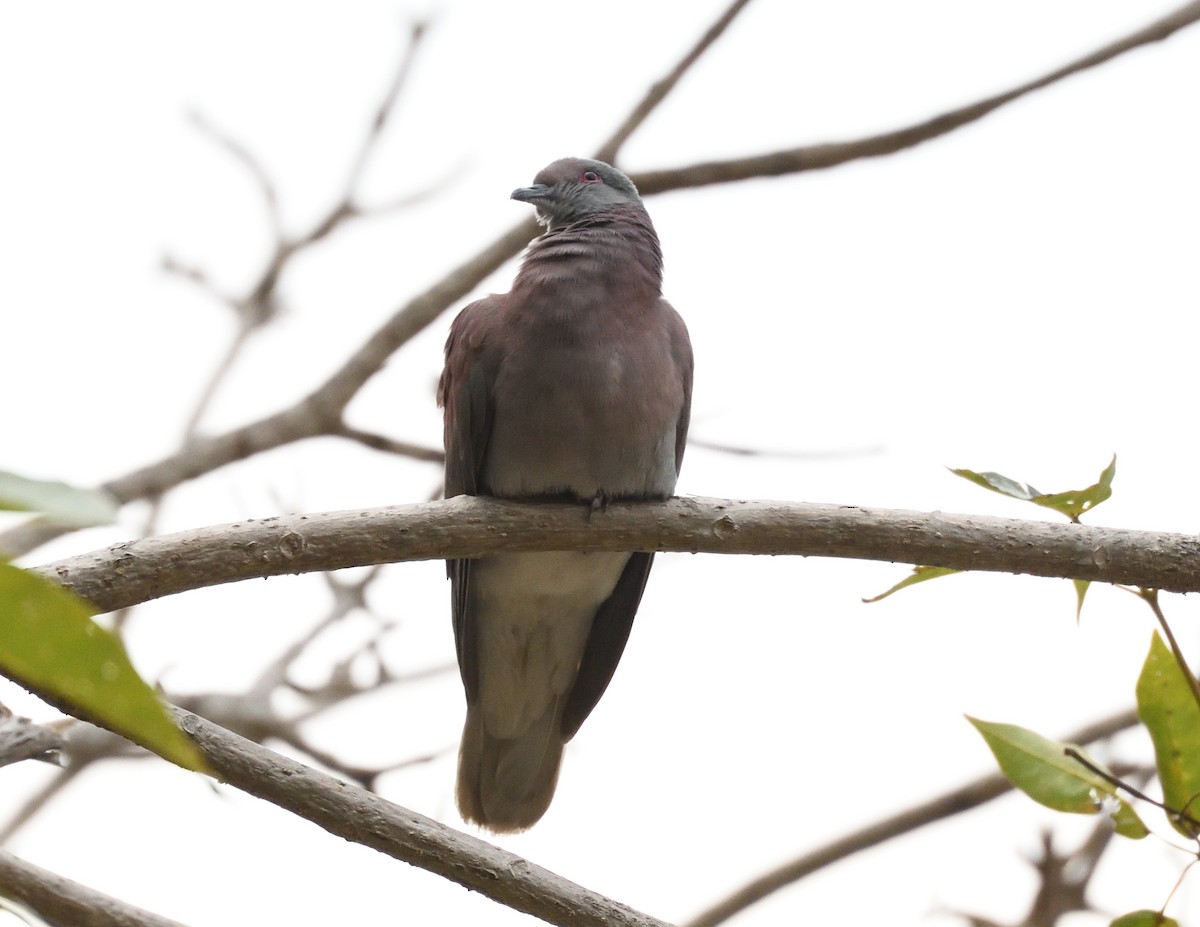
<point>1019,296</point>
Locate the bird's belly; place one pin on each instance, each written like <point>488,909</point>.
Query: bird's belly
<point>536,612</point>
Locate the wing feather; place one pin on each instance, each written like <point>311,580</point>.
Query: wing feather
<point>465,394</point>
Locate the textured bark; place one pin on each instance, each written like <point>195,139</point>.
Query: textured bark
<point>126,574</point>
<point>362,817</point>
<point>59,902</point>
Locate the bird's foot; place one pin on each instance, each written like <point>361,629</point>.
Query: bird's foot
<point>599,503</point>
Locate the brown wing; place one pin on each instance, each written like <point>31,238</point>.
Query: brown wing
<point>465,394</point>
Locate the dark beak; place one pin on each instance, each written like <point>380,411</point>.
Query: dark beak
<point>535,194</point>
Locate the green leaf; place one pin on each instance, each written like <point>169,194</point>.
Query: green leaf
<point>1039,768</point>
<point>1081,589</point>
<point>919,575</point>
<point>998,482</point>
<point>1075,503</point>
<point>1127,822</point>
<point>1144,918</point>
<point>1168,708</point>
<point>65,505</point>
<point>1072,503</point>
<point>49,643</point>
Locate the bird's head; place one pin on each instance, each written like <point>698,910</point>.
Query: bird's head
<point>573,188</point>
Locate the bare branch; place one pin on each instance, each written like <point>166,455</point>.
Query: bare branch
<point>467,526</point>
<point>62,903</point>
<point>659,91</point>
<point>357,815</point>
<point>35,801</point>
<point>390,445</point>
<point>363,776</point>
<point>739,450</point>
<point>254,713</point>
<point>817,157</point>
<point>198,277</point>
<point>951,803</point>
<point>243,156</point>
<point>384,111</point>
<point>224,366</point>
<point>21,739</point>
<point>1150,596</point>
<point>85,744</point>
<point>450,175</point>
<point>260,305</point>
<point>1064,877</point>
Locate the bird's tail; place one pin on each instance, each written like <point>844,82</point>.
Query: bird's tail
<point>505,784</point>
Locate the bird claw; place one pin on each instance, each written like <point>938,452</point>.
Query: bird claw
<point>599,503</point>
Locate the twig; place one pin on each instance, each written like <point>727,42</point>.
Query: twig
<point>37,800</point>
<point>215,379</point>
<point>260,304</point>
<point>449,177</point>
<point>21,739</point>
<point>255,168</point>
<point>964,798</point>
<point>363,776</point>
<point>1150,596</point>
<point>332,693</point>
<point>1178,816</point>
<point>817,157</point>
<point>1120,784</point>
<point>390,445</point>
<point>198,277</point>
<point>1063,878</point>
<point>1178,883</point>
<point>255,715</point>
<point>659,91</point>
<point>85,745</point>
<point>738,450</point>
<point>384,111</point>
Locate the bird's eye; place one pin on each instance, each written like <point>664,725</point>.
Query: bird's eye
<point>590,177</point>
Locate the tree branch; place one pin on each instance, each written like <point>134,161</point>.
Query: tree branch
<point>361,817</point>
<point>817,157</point>
<point>21,739</point>
<point>383,114</point>
<point>62,903</point>
<point>346,811</point>
<point>467,526</point>
<point>951,803</point>
<point>661,89</point>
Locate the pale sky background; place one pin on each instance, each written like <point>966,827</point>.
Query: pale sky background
<point>1019,296</point>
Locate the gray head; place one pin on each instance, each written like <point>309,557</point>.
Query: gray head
<point>572,188</point>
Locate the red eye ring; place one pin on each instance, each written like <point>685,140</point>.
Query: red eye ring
<point>590,177</point>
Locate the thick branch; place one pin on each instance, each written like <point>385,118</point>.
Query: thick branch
<point>63,903</point>
<point>361,817</point>
<point>126,574</point>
